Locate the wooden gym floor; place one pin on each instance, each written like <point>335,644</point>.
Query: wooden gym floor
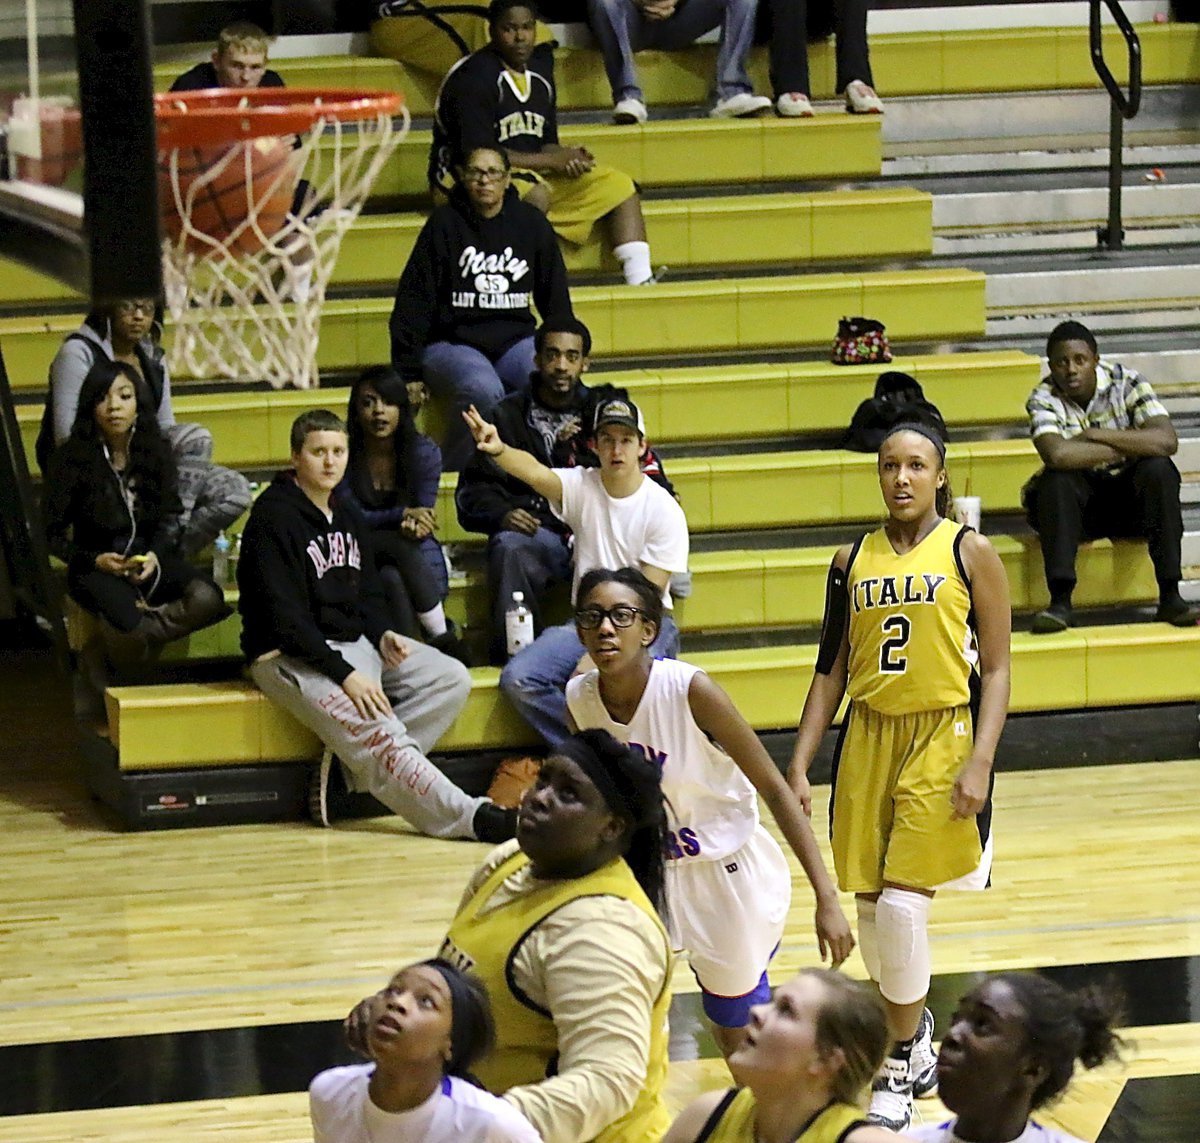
<point>187,984</point>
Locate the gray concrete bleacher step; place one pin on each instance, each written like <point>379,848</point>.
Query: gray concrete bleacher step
<point>1046,130</point>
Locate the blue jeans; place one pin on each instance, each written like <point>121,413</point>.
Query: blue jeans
<point>528,564</point>
<point>462,376</point>
<point>622,30</point>
<point>535,679</point>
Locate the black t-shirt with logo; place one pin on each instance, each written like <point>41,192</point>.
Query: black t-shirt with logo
<point>474,281</point>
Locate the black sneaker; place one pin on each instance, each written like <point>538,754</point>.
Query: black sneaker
<point>922,1064</point>
<point>1056,617</point>
<point>1178,613</point>
<point>451,643</point>
<point>494,825</point>
<point>325,782</point>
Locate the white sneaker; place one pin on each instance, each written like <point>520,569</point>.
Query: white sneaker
<point>743,105</point>
<point>922,1064</point>
<point>630,111</point>
<point>862,100</point>
<point>654,278</point>
<point>891,1096</point>
<point>793,105</point>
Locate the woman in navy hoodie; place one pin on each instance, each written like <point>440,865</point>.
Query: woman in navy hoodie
<point>392,479</point>
<point>463,318</point>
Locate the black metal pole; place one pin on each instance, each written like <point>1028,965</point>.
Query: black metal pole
<point>120,192</point>
<point>1114,236</point>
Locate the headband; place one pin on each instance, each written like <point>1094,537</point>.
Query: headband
<point>462,999</point>
<point>925,431</point>
<point>618,791</point>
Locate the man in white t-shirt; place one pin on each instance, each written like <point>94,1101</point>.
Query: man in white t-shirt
<point>619,518</point>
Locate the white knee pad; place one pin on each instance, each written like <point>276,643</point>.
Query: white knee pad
<point>902,927</point>
<point>868,938</point>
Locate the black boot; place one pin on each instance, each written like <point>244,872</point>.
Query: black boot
<point>201,605</point>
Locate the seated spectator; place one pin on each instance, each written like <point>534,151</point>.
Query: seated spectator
<point>315,631</point>
<point>212,496</point>
<point>463,318</point>
<point>620,518</point>
<point>431,1023</point>
<point>392,479</point>
<point>1011,1049</point>
<point>1107,442</point>
<point>113,513</point>
<point>239,60</point>
<point>786,27</point>
<point>529,547</point>
<point>624,27</point>
<point>563,926</point>
<point>504,95</point>
<point>808,1054</point>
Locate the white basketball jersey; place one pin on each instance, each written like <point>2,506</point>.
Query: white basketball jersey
<point>713,805</point>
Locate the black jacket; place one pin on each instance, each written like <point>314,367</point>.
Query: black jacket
<point>486,493</point>
<point>473,281</point>
<point>87,511</point>
<point>304,579</point>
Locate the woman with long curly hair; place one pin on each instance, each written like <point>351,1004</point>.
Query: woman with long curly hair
<point>113,515</point>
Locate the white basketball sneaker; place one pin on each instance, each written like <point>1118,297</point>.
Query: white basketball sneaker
<point>922,1064</point>
<point>891,1096</point>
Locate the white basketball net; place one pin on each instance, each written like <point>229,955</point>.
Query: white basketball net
<point>256,316</point>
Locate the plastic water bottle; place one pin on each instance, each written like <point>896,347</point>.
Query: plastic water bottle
<point>518,624</point>
<point>234,557</point>
<point>220,568</point>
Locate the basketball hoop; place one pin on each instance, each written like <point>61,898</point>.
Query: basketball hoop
<point>257,189</point>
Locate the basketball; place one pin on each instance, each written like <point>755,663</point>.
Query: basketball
<point>240,196</point>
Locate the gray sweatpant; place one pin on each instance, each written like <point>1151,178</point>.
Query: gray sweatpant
<point>384,756</point>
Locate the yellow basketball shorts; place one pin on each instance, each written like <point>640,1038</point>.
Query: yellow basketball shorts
<point>890,806</point>
<point>576,205</point>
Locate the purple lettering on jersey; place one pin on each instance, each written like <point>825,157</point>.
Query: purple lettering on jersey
<point>658,757</point>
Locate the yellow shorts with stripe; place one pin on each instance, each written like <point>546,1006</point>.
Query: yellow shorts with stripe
<point>890,811</point>
<point>576,205</point>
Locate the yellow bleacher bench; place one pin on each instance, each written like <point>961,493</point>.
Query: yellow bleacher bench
<point>232,723</point>
<point>727,313</point>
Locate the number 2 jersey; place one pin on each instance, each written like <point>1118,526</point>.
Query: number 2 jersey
<point>912,630</point>
<point>713,805</point>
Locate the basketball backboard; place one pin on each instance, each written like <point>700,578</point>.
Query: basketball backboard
<point>78,185</point>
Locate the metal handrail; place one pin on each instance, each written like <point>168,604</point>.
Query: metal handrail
<point>1122,106</point>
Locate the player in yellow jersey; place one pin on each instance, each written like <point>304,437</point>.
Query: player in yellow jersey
<point>916,632</point>
<point>806,1058</point>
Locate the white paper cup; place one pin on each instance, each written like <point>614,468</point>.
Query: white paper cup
<point>969,510</point>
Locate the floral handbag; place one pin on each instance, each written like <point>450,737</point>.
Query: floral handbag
<point>860,341</point>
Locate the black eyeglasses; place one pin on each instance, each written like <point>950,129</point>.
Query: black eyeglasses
<point>139,306</point>
<point>589,618</point>
<point>484,174</point>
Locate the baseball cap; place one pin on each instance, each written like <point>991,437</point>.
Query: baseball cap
<point>619,411</point>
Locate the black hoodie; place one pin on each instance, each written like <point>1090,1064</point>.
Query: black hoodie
<point>473,281</point>
<point>305,579</point>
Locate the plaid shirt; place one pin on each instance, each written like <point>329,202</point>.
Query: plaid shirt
<point>1123,400</point>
